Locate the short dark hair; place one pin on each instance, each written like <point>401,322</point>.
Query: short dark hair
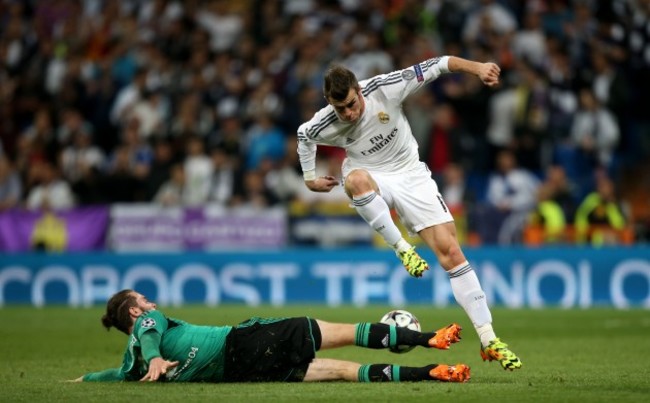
<point>117,311</point>
<point>338,81</point>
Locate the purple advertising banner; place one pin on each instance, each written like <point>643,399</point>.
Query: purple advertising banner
<point>154,228</point>
<point>80,229</point>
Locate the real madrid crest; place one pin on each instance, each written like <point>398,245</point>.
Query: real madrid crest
<point>383,117</point>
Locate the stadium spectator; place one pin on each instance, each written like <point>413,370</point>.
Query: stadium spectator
<point>454,188</point>
<point>37,143</point>
<point>460,199</point>
<point>150,112</point>
<point>230,137</point>
<point>563,100</point>
<point>531,120</point>
<point>81,156</point>
<point>71,122</point>
<point>519,116</point>
<point>367,58</point>
<point>470,100</point>
<point>226,177</point>
<point>529,42</point>
<point>255,193</point>
<point>224,24</point>
<point>90,188</point>
<point>138,150</point>
<point>49,192</point>
<point>264,141</point>
<point>555,18</point>
<point>594,136</point>
<point>163,159</point>
<point>259,349</point>
<point>599,217</point>
<point>128,96</point>
<point>11,186</point>
<point>510,197</point>
<point>579,33</point>
<point>120,183</point>
<point>285,179</point>
<point>198,172</point>
<point>487,18</point>
<point>511,188</point>
<point>555,209</point>
<point>192,118</point>
<point>263,101</point>
<point>561,189</point>
<point>418,111</point>
<point>445,138</point>
<point>100,95</point>
<point>547,218</point>
<point>609,85</point>
<point>173,192</point>
<point>83,165</point>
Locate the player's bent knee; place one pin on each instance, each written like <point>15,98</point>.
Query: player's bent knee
<point>359,181</point>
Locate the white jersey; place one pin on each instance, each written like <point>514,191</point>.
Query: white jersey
<point>381,139</point>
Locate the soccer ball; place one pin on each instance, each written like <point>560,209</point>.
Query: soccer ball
<point>401,318</point>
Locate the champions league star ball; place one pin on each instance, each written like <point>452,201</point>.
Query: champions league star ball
<point>401,318</point>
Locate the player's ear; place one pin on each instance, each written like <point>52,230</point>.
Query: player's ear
<point>135,311</point>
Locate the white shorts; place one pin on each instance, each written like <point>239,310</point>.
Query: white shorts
<point>415,197</point>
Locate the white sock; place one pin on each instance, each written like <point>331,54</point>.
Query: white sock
<point>485,334</point>
<point>469,294</point>
<point>372,208</point>
<point>402,245</point>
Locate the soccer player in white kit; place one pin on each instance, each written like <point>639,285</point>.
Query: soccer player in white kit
<point>382,170</point>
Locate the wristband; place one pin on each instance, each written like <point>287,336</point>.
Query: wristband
<point>309,175</point>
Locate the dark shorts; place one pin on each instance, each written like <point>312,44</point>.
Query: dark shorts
<point>271,350</point>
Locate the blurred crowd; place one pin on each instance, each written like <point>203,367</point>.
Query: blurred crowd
<point>195,102</point>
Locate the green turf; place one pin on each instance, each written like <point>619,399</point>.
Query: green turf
<point>596,355</point>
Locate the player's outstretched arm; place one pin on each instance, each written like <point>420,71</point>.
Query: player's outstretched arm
<point>157,367</point>
<point>107,375</point>
<point>488,73</point>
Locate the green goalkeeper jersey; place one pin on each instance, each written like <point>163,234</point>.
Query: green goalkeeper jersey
<point>199,350</point>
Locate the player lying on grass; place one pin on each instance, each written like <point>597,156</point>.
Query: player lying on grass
<point>260,350</point>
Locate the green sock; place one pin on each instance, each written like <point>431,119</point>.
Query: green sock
<point>380,335</point>
<point>393,373</point>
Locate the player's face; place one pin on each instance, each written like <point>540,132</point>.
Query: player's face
<point>350,109</point>
<point>144,304</point>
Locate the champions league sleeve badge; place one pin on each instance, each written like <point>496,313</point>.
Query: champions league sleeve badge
<point>148,322</point>
<point>408,74</point>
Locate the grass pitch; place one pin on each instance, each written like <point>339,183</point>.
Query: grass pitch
<point>595,355</point>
